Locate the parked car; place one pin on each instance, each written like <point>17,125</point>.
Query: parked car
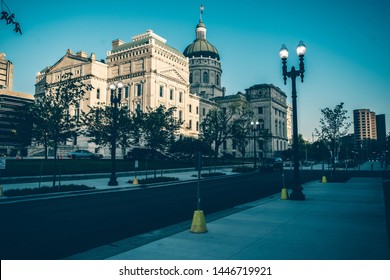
<point>84,154</point>
<point>272,164</point>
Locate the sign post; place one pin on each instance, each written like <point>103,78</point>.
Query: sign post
<point>198,221</point>
<point>135,181</point>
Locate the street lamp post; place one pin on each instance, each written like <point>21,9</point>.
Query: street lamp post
<point>296,193</point>
<point>254,128</point>
<point>115,99</point>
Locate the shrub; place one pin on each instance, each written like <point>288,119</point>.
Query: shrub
<point>155,180</point>
<point>44,190</point>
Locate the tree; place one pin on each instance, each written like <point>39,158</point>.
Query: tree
<point>218,125</point>
<point>333,126</point>
<point>9,17</point>
<point>189,146</point>
<point>54,123</point>
<point>240,135</point>
<point>159,127</point>
<point>98,123</point>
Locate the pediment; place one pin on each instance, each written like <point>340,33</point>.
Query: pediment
<point>67,61</point>
<point>174,75</point>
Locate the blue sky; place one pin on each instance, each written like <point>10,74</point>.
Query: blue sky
<point>346,43</point>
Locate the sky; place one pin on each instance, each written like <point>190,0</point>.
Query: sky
<point>346,43</point>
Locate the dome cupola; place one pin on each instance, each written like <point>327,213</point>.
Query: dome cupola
<point>201,47</point>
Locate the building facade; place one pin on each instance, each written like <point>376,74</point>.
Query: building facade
<point>6,72</point>
<point>366,126</point>
<point>270,110</point>
<point>155,74</point>
<point>205,66</point>
<point>364,123</point>
<point>152,72</point>
<point>11,104</point>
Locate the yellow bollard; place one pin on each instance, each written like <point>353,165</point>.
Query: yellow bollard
<point>284,194</point>
<point>198,222</point>
<point>135,181</point>
<point>324,181</point>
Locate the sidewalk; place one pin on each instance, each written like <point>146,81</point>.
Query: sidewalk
<point>337,221</point>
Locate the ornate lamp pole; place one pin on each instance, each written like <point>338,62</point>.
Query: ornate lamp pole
<point>297,193</point>
<point>115,99</point>
<point>254,128</point>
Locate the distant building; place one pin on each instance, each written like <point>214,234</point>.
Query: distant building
<point>364,122</point>
<point>10,104</point>
<point>269,107</point>
<point>6,73</point>
<point>381,132</point>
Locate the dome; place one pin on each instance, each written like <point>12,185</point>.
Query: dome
<point>201,47</point>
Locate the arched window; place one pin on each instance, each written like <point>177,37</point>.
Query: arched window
<point>218,80</point>
<point>205,77</point>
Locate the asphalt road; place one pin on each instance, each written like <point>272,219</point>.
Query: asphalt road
<point>60,227</point>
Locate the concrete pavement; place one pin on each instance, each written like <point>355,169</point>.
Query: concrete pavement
<point>337,221</point>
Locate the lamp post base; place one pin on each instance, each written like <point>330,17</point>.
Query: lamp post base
<point>297,194</point>
<point>113,181</point>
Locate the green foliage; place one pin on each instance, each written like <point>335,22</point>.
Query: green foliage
<point>219,123</point>
<point>44,190</point>
<point>333,126</point>
<point>189,145</point>
<point>98,125</point>
<point>159,127</point>
<point>56,114</point>
<point>9,17</point>
<point>156,180</point>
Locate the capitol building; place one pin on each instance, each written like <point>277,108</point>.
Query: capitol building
<point>154,73</point>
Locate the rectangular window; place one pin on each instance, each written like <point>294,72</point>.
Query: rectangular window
<point>260,110</point>
<point>204,111</point>
<point>161,91</point>
<point>139,89</point>
<point>197,110</point>
<point>126,92</point>
<point>171,94</point>
<point>180,97</point>
<point>98,93</point>
<point>190,108</point>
